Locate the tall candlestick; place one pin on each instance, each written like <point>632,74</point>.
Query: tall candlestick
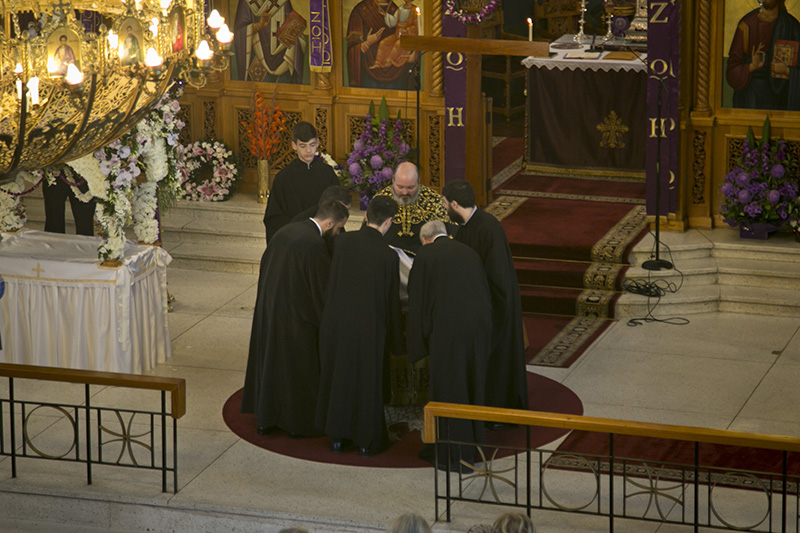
<point>530,29</point>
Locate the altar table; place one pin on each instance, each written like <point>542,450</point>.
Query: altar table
<point>62,309</point>
<point>586,116</point>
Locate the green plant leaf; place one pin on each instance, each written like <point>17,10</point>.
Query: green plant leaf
<point>383,113</point>
<point>765,131</point>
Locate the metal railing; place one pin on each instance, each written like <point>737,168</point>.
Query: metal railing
<point>618,487</point>
<point>135,438</point>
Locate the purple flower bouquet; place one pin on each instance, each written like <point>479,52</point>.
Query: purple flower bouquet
<point>375,155</point>
<point>762,188</point>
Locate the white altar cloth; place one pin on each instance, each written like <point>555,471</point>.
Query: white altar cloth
<point>62,309</point>
<point>560,61</point>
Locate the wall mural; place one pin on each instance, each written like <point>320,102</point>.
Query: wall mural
<point>761,45</point>
<point>372,56</point>
<point>270,41</point>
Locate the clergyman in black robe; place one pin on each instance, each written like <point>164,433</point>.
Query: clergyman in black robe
<point>282,378</point>
<point>506,383</point>
<point>450,321</point>
<point>361,323</point>
<point>300,184</point>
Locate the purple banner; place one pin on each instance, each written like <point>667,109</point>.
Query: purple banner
<point>663,58</point>
<point>454,65</point>
<point>319,35</point>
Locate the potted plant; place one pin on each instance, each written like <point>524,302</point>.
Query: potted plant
<point>262,134</point>
<point>760,193</point>
<point>375,155</point>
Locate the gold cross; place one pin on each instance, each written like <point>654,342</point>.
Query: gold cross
<point>612,130</point>
<point>38,270</point>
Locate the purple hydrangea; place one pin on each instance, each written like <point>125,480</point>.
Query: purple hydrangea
<point>376,162</point>
<point>728,189</point>
<point>387,173</point>
<point>777,171</point>
<point>403,148</point>
<point>742,179</point>
<point>774,197</point>
<point>745,196</point>
<point>355,170</point>
<point>358,146</point>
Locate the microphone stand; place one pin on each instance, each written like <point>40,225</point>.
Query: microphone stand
<point>658,263</point>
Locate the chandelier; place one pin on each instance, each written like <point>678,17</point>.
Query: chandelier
<point>74,76</point>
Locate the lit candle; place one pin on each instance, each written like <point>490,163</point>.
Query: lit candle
<point>18,71</point>
<point>530,29</point>
<point>154,27</point>
<point>113,40</point>
<point>33,90</point>
<point>418,20</point>
<point>215,20</point>
<point>224,35</point>
<point>74,76</point>
<point>152,59</point>
<point>51,65</point>
<point>165,4</point>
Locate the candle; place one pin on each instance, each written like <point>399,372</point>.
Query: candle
<point>33,90</point>
<point>152,59</point>
<point>113,40</point>
<point>530,29</point>
<point>418,21</point>
<point>215,20</point>
<point>74,76</point>
<point>224,35</point>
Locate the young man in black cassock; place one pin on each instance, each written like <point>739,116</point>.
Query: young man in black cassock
<point>361,323</point>
<point>506,383</point>
<point>299,185</point>
<point>450,321</point>
<point>282,379</point>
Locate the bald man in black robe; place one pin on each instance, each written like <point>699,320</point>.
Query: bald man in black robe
<point>282,379</point>
<point>506,383</point>
<point>450,321</point>
<point>361,324</point>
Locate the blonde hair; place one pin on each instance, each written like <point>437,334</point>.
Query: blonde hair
<point>513,523</point>
<point>409,523</point>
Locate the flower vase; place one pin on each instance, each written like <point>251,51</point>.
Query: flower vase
<point>263,180</point>
<point>363,200</point>
<point>757,230</point>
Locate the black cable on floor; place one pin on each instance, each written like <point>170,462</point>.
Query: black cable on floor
<point>655,289</point>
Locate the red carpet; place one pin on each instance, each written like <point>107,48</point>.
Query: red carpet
<point>660,451</point>
<point>570,237</point>
<point>544,395</point>
<point>506,152</point>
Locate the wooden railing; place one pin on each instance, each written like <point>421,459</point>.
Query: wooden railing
<point>121,437</point>
<point>779,487</point>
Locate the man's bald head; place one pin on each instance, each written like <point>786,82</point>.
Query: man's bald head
<point>405,183</point>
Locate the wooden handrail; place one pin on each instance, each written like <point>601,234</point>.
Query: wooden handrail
<point>175,386</point>
<point>603,425</point>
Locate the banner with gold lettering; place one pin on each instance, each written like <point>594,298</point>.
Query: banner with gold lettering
<point>663,83</point>
<point>455,101</point>
<point>319,37</point>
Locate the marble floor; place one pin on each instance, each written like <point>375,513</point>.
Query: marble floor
<point>721,370</point>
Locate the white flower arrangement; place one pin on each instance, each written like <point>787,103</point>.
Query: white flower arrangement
<point>12,212</point>
<point>125,178</point>
<point>330,161</point>
<point>213,156</point>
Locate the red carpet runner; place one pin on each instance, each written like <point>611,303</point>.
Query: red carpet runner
<point>570,237</point>
<point>544,395</point>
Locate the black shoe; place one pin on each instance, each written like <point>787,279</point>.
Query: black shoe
<point>337,446</point>
<point>499,426</point>
<point>367,452</point>
<point>264,430</point>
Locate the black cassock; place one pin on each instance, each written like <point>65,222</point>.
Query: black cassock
<point>282,378</point>
<point>450,320</point>
<point>361,323</point>
<point>297,187</point>
<point>506,383</point>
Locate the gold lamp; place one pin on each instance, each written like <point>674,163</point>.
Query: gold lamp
<point>80,74</point>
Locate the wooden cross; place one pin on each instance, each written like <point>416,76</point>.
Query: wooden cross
<point>38,270</point>
<point>473,46</point>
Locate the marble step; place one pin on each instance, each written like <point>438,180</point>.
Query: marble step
<point>696,271</point>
